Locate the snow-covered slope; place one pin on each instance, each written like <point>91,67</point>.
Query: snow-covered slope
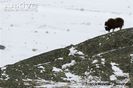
<point>100,62</point>
<point>28,28</point>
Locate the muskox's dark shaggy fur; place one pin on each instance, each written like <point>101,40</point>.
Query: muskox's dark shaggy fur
<point>114,23</point>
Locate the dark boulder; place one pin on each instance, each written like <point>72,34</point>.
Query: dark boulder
<point>2,47</point>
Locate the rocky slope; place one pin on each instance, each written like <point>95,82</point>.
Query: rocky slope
<point>105,58</point>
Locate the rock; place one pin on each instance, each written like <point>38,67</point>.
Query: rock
<point>2,47</point>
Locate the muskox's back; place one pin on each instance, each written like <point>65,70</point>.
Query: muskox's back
<point>119,22</point>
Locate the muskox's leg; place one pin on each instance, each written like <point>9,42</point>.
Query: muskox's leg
<point>120,28</point>
<point>113,30</point>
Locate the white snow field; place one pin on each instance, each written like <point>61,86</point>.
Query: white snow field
<point>32,27</point>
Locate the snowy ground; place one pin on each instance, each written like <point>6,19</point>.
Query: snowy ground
<point>28,28</point>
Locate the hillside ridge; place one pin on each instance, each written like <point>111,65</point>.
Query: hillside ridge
<point>105,58</point>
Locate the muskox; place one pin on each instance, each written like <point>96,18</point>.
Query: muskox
<point>113,24</point>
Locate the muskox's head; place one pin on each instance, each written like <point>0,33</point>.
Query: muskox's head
<point>107,29</point>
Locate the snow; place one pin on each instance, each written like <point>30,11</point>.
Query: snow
<point>73,51</point>
<point>30,27</point>
<point>113,77</point>
<point>68,85</point>
<point>100,44</point>
<point>131,61</point>
<point>64,66</point>
<point>131,55</point>
<point>103,61</point>
<point>95,61</point>
<point>97,66</point>
<point>3,68</point>
<point>60,58</point>
<point>53,85</point>
<point>72,77</point>
<point>4,74</point>
<point>42,69</point>
<point>56,69</point>
<point>117,70</point>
